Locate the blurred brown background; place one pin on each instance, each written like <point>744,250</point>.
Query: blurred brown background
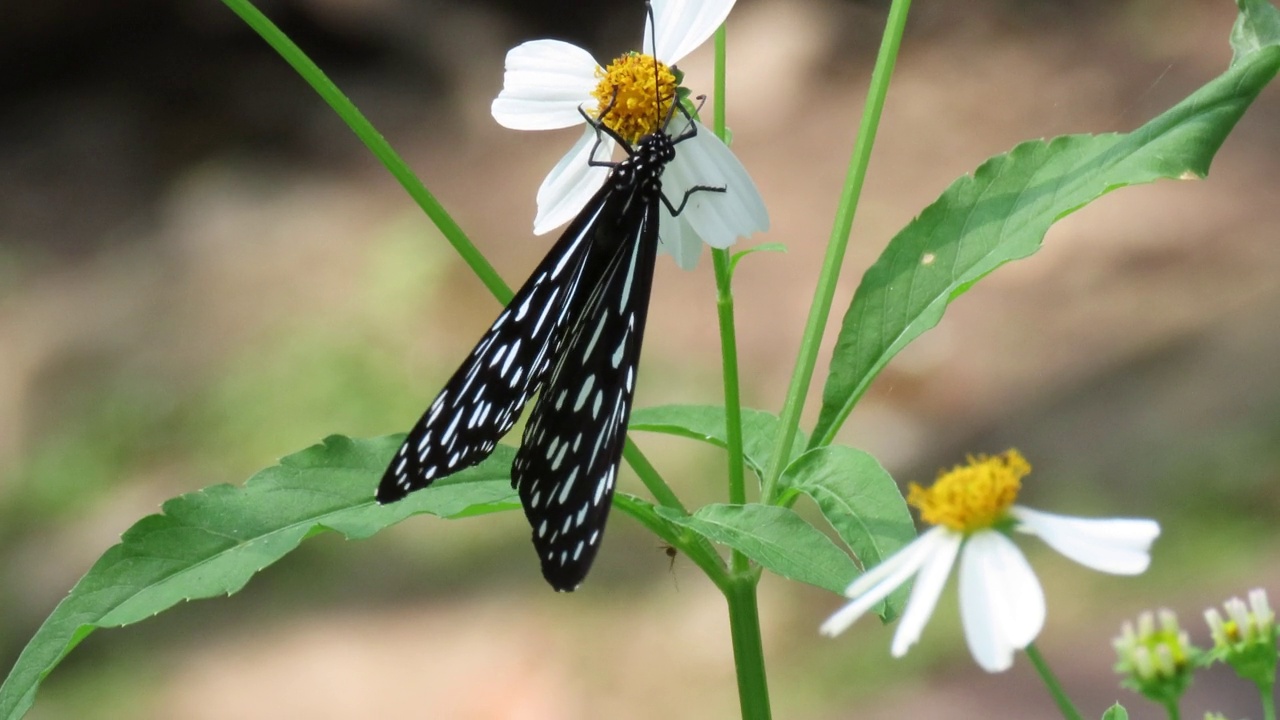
<point>202,270</point>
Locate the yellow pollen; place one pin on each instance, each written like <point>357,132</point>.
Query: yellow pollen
<point>630,104</point>
<point>972,497</point>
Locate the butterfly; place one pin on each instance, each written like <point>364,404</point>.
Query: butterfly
<point>572,335</point>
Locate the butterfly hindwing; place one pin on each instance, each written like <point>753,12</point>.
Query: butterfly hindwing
<point>485,396</point>
<point>567,464</point>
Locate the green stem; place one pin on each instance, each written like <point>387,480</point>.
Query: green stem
<point>377,144</point>
<point>740,590</point>
<point>820,310</point>
<point>728,332</point>
<point>1067,709</point>
<point>649,475</point>
<point>1268,701</point>
<point>729,361</point>
<point>748,648</point>
<point>1171,709</point>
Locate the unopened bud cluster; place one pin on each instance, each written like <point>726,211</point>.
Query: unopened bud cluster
<point>1246,638</point>
<point>1156,657</point>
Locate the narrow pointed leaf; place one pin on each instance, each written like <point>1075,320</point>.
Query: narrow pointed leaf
<point>706,423</point>
<point>1116,712</point>
<point>1003,211</point>
<point>774,247</point>
<point>776,538</point>
<point>211,542</point>
<point>862,503</point>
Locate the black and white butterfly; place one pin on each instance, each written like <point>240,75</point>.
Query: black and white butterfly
<point>571,334</point>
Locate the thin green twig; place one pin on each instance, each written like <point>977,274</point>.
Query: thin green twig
<point>1060,698</point>
<point>740,592</point>
<point>377,144</point>
<point>820,310</point>
<point>724,310</point>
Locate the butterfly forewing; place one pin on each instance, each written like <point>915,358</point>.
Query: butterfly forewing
<point>485,396</point>
<point>567,464</point>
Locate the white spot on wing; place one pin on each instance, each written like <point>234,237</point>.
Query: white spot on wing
<point>626,287</point>
<point>497,357</point>
<point>568,485</point>
<point>546,308</point>
<point>616,359</point>
<point>596,336</point>
<point>453,425</point>
<point>510,356</point>
<point>584,392</point>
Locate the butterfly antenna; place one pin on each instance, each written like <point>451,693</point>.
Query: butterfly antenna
<point>653,47</point>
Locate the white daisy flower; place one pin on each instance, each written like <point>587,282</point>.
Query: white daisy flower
<point>549,84</point>
<point>1002,606</point>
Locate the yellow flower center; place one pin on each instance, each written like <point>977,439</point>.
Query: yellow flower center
<point>974,496</point>
<point>634,97</point>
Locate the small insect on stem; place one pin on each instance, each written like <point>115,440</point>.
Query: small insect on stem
<point>671,553</point>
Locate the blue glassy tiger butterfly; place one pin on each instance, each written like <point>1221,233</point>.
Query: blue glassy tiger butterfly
<point>572,335</point>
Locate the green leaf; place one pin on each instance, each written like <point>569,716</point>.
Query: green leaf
<point>210,542</point>
<point>706,423</point>
<point>862,503</point>
<point>776,247</point>
<point>1116,712</point>
<point>1257,27</point>
<point>1003,211</point>
<point>776,538</point>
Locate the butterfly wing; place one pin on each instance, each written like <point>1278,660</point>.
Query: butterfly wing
<point>567,464</point>
<point>486,394</point>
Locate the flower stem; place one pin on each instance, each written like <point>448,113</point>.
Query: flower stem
<point>729,361</point>
<point>748,648</point>
<point>377,144</point>
<point>740,590</point>
<point>1065,706</point>
<point>728,332</point>
<point>1268,701</point>
<point>820,310</point>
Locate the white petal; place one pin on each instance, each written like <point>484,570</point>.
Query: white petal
<point>683,25</point>
<point>875,584</point>
<point>545,83</point>
<point>1001,602</point>
<point>679,241</point>
<point>718,218</point>
<point>1113,545</point>
<point>927,590</point>
<point>572,182</point>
